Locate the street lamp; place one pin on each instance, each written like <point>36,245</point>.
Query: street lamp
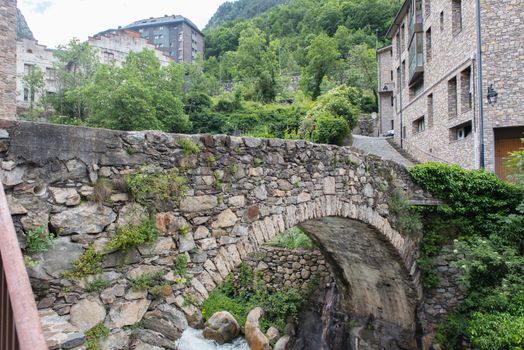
<point>492,95</point>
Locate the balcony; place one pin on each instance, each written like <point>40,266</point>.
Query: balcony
<point>416,19</point>
<point>416,58</point>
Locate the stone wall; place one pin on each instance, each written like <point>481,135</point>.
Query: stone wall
<point>8,59</point>
<point>290,267</point>
<point>240,193</point>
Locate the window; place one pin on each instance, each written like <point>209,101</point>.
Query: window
<point>465,90</point>
<point>416,89</point>
<point>392,124</point>
<point>26,94</point>
<point>404,73</point>
<point>28,69</point>
<point>419,125</point>
<point>456,16</point>
<point>460,132</point>
<point>140,30</point>
<point>427,7</point>
<point>429,52</point>
<point>50,75</point>
<point>398,79</point>
<point>430,110</point>
<point>452,97</point>
<point>398,43</point>
<point>392,101</point>
<point>391,73</point>
<point>402,38</point>
<point>442,21</point>
<point>161,28</point>
<point>108,57</point>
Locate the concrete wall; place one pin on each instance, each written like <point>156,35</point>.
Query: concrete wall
<point>264,187</point>
<point>8,59</point>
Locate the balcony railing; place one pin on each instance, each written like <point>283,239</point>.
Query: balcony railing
<point>20,327</point>
<point>416,58</point>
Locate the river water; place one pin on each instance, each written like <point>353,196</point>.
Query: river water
<point>192,339</point>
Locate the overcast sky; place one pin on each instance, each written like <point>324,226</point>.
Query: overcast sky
<point>55,22</point>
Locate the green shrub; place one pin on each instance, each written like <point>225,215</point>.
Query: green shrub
<point>102,191</point>
<point>496,331</point>
<point>326,128</point>
<point>188,147</point>
<point>292,238</point>
<point>181,262</point>
<point>38,240</point>
<point>95,335</point>
<point>146,281</point>
<point>406,218</point>
<point>97,285</point>
<point>89,263</point>
<point>130,235</point>
<point>160,186</point>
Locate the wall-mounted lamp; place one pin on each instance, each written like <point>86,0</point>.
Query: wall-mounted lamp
<point>492,95</point>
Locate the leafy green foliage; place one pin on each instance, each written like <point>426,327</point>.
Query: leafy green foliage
<point>181,262</point>
<point>188,147</point>
<point>35,84</point>
<point>146,184</point>
<point>97,285</point>
<point>89,263</point>
<point>38,240</point>
<point>130,235</point>
<point>146,281</point>
<point>102,191</point>
<point>239,296</point>
<point>292,238</point>
<point>485,216</point>
<point>406,218</point>
<point>230,11</point>
<point>95,335</point>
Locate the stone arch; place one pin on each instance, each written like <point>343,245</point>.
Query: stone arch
<point>376,268</point>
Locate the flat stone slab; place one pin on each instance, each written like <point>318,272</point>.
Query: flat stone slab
<point>58,333</point>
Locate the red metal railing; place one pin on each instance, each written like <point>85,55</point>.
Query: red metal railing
<point>19,322</point>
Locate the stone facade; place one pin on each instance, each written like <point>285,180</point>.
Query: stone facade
<point>114,46</point>
<point>176,36</point>
<point>436,92</point>
<point>8,59</point>
<point>386,87</point>
<point>290,268</point>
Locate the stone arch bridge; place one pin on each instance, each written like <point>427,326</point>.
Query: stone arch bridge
<point>241,192</point>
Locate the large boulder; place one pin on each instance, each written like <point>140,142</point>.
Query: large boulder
<point>254,336</point>
<point>221,327</point>
<point>282,343</point>
<point>87,313</point>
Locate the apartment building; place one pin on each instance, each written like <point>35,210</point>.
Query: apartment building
<point>113,46</point>
<point>176,36</point>
<point>448,99</point>
<point>31,54</point>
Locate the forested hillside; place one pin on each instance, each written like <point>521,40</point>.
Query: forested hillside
<point>241,9</point>
<point>328,43</point>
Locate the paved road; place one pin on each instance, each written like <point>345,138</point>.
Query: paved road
<point>379,146</point>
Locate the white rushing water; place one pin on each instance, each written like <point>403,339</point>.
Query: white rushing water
<point>192,339</point>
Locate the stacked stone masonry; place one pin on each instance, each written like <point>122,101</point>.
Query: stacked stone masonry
<point>437,115</point>
<point>8,59</point>
<point>264,187</point>
<point>290,268</point>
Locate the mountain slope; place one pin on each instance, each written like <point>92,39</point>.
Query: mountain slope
<point>241,9</point>
<point>22,29</point>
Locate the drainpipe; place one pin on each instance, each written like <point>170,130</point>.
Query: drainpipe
<point>480,88</point>
<point>400,95</point>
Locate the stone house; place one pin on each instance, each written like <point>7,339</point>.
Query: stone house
<point>448,99</point>
<point>113,46</point>
<point>175,35</point>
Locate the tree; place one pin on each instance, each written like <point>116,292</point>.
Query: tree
<point>35,84</point>
<point>324,59</point>
<point>76,64</point>
<point>256,64</point>
<point>362,68</point>
<point>140,95</point>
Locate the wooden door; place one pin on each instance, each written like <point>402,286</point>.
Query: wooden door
<point>502,148</point>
